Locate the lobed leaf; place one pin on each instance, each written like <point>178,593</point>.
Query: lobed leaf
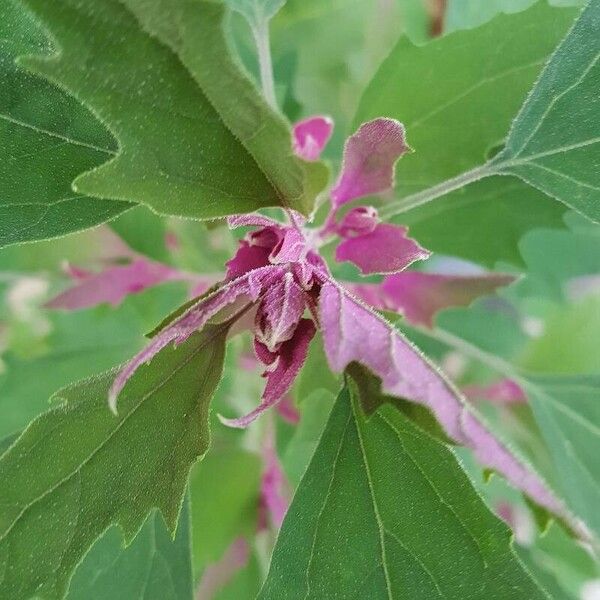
<point>567,411</point>
<point>46,139</point>
<point>554,143</point>
<point>354,333</point>
<point>456,97</point>
<point>415,529</point>
<point>78,469</point>
<point>153,566</point>
<point>195,138</point>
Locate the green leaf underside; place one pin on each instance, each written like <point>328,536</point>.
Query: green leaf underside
<point>195,138</point>
<point>554,143</point>
<point>79,469</point>
<point>46,139</point>
<point>458,94</point>
<point>153,567</point>
<point>567,411</point>
<point>466,14</point>
<point>385,511</point>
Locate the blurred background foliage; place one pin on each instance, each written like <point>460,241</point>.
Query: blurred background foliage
<point>325,53</point>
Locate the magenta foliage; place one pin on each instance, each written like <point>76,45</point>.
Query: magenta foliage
<point>281,284</point>
<point>274,490</point>
<point>310,136</point>
<point>113,284</point>
<point>278,275</point>
<point>420,296</point>
<point>385,249</point>
<point>352,332</point>
<point>369,158</point>
<point>368,168</point>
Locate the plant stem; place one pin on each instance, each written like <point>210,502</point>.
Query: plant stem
<point>409,202</point>
<point>260,31</point>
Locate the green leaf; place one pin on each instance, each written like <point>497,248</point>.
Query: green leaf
<point>466,14</point>
<point>457,96</point>
<point>46,139</point>
<point>554,143</point>
<point>415,529</point>
<point>78,469</point>
<point>153,567</point>
<point>567,410</point>
<point>472,89</point>
<point>145,232</point>
<point>195,137</point>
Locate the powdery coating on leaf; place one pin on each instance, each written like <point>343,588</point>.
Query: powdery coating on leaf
<point>283,368</point>
<point>384,250</point>
<point>279,312</point>
<point>291,247</point>
<point>250,286</point>
<point>420,296</point>
<point>504,391</point>
<point>246,258</point>
<point>352,332</point>
<point>310,137</point>
<point>251,220</point>
<point>113,284</point>
<point>369,158</point>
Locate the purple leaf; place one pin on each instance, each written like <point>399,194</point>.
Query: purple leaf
<point>311,136</point>
<point>291,247</point>
<point>247,258</point>
<point>248,288</point>
<point>384,250</point>
<point>420,296</point>
<point>251,220</point>
<point>279,312</point>
<point>285,365</point>
<point>352,332</point>
<point>113,284</point>
<point>369,158</point>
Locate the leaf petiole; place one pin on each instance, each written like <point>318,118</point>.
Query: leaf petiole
<point>441,189</point>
